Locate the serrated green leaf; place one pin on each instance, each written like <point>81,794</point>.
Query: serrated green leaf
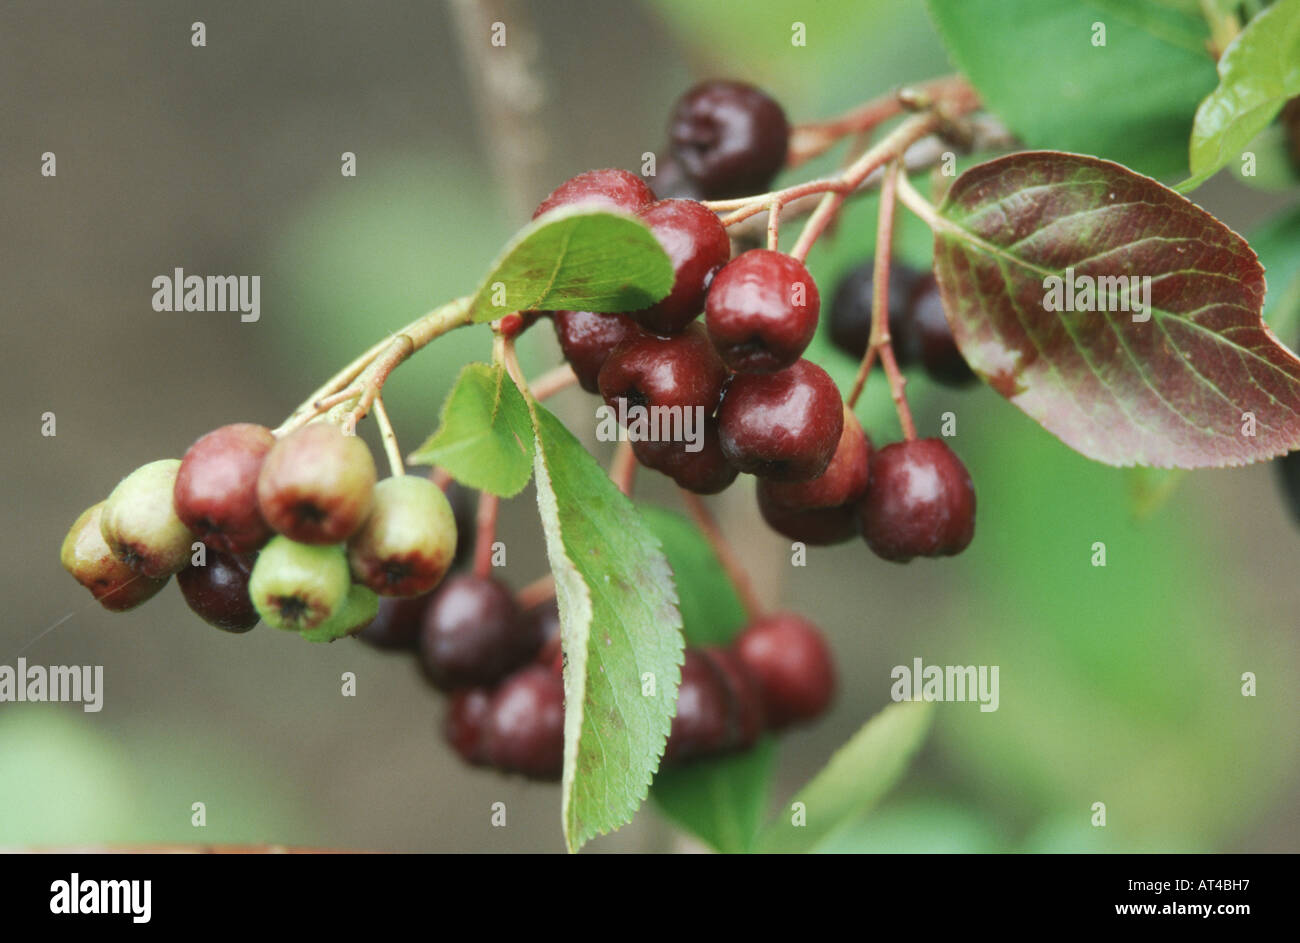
<point>721,801</point>
<point>619,621</point>
<point>485,437</point>
<point>576,258</point>
<point>1035,65</point>
<point>856,777</point>
<point>1258,72</point>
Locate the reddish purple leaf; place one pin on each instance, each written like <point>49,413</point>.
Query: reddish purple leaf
<point>1183,388</point>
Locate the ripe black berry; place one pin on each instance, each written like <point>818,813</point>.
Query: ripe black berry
<point>706,471</point>
<point>587,340</point>
<point>523,730</point>
<point>730,137</point>
<point>697,244</point>
<point>919,502</point>
<point>702,724</point>
<point>682,370</point>
<point>216,487</point>
<point>316,484</point>
<point>850,314</point>
<point>792,664</point>
<point>762,311</point>
<point>927,338</point>
<point>467,712</point>
<point>217,592</point>
<point>784,425</point>
<point>611,189</point>
<point>472,634</point>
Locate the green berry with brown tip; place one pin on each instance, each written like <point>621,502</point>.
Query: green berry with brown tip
<point>356,612</point>
<point>297,586</point>
<point>140,525</point>
<point>407,543</point>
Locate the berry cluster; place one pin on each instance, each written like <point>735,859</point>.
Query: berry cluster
<point>502,667</point>
<point>769,412</point>
<point>295,531</point>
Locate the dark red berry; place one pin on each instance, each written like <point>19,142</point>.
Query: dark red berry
<point>784,425</point>
<point>697,244</point>
<point>705,471</point>
<point>217,592</point>
<point>745,717</point>
<point>472,634</point>
<point>523,730</point>
<point>762,311</point>
<point>670,181</point>
<point>730,137</point>
<point>928,339</point>
<point>919,503</point>
<point>463,727</point>
<point>216,488</point>
<point>648,371</point>
<point>396,626</point>
<point>543,621</point>
<point>792,664</point>
<point>702,724</point>
<point>587,340</point>
<point>610,189</point>
<point>818,527</point>
<point>843,482</point>
<point>850,314</point>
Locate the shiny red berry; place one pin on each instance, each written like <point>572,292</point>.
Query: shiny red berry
<point>919,502</point>
<point>783,425</point>
<point>702,724</point>
<point>217,592</point>
<point>927,338</point>
<point>587,340</point>
<point>697,245</point>
<point>731,138</point>
<point>216,487</point>
<point>792,664</point>
<point>472,633</point>
<point>762,311</point>
<point>679,371</point>
<point>610,189</point>
<point>523,729</point>
<point>703,471</point>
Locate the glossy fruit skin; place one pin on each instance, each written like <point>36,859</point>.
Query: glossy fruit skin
<point>473,634</point>
<point>609,188</point>
<point>697,244</point>
<point>316,484</point>
<point>88,558</point>
<point>745,717</point>
<point>706,471</point>
<point>850,312</point>
<point>702,724</point>
<point>396,625</point>
<point>588,339</point>
<point>823,510</point>
<point>523,731</point>
<point>817,527</point>
<point>730,138</point>
<point>784,426</point>
<point>762,311</point>
<point>216,488</point>
<point>919,503</point>
<point>217,592</point>
<point>928,339</point>
<point>792,664</point>
<point>358,609</point>
<point>140,525</point>
<point>682,370</point>
<point>407,543</point>
<point>298,586</point>
<point>467,711</point>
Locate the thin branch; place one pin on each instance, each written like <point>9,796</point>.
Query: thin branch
<point>488,506</point>
<point>389,437</point>
<point>736,572</point>
<point>623,466</point>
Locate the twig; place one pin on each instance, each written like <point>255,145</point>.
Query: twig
<point>726,555</point>
<point>389,437</point>
<point>536,592</point>
<point>488,505</point>
<point>622,468</point>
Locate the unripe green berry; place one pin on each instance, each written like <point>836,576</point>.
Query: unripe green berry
<point>356,612</point>
<point>296,586</point>
<point>86,556</point>
<point>140,525</point>
<point>408,541</point>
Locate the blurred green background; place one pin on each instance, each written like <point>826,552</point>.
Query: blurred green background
<point>1118,684</point>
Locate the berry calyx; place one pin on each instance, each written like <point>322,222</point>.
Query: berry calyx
<point>139,523</point>
<point>682,370</point>
<point>467,712</point>
<point>298,586</point>
<point>523,730</point>
<point>702,724</point>
<point>406,545</point>
<point>587,340</point>
<point>610,189</point>
<point>473,634</point>
<point>697,245</point>
<point>88,558</point>
<point>217,592</point>
<point>785,425</point>
<point>396,625</point>
<point>789,659</point>
<point>316,484</point>
<point>919,502</point>
<point>730,138</point>
<point>850,313</point>
<point>353,614</point>
<point>762,311</point>
<point>928,339</point>
<point>216,487</point>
